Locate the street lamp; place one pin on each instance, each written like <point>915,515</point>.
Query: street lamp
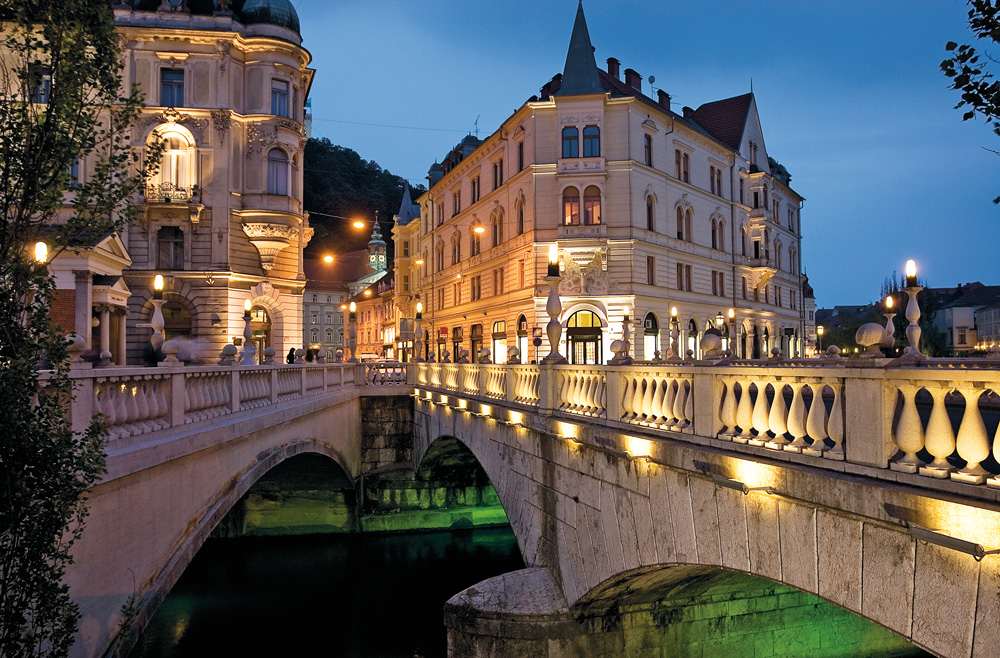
<point>417,336</point>
<point>554,308</point>
<point>731,316</point>
<point>157,322</point>
<point>41,252</point>
<point>820,330</point>
<point>358,224</point>
<point>248,358</point>
<point>912,309</point>
<point>478,228</point>
<point>672,354</point>
<point>352,316</point>
<point>328,259</point>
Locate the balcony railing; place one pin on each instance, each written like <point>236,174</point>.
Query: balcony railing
<point>170,193</point>
<point>922,424</point>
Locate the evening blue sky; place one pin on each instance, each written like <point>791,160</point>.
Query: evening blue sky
<point>850,97</point>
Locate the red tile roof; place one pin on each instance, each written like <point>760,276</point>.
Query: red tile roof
<point>725,119</point>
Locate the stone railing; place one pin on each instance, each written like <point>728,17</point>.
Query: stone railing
<point>917,423</point>
<point>384,373</point>
<point>138,401</point>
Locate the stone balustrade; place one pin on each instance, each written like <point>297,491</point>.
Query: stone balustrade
<point>140,401</point>
<point>919,424</point>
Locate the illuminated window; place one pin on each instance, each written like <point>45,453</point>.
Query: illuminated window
<point>592,205</point>
<point>571,206</point>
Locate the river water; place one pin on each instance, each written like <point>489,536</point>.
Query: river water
<point>324,595</point>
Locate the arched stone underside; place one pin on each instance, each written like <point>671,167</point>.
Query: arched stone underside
<point>155,511</point>
<point>583,515</point>
<point>227,496</point>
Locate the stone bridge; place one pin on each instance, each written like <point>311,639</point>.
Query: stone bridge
<point>870,485</point>
<point>184,444</point>
<point>843,479</point>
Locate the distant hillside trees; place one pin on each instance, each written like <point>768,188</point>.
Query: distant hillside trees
<point>338,181</point>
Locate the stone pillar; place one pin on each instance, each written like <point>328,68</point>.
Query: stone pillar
<point>84,302</point>
<point>121,317</point>
<point>105,355</point>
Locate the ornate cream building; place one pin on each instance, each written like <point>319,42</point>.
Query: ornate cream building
<point>223,220</point>
<point>649,209</point>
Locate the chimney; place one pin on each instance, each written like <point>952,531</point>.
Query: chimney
<point>663,98</point>
<point>614,68</point>
<point>633,79</point>
<point>688,111</point>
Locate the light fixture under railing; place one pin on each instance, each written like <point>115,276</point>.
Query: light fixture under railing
<point>977,551</point>
<point>736,485</point>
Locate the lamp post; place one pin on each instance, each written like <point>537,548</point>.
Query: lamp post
<point>554,308</point>
<point>418,339</point>
<point>41,252</point>
<point>820,330</point>
<point>889,335</point>
<point>731,318</point>
<point>157,322</point>
<point>352,317</point>
<point>912,310</point>
<point>672,354</point>
<point>249,355</point>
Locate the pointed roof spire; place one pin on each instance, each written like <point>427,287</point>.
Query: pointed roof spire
<point>407,209</point>
<point>376,237</point>
<point>580,73</point>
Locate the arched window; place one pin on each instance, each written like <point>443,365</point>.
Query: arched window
<point>499,342</point>
<point>497,228</point>
<point>722,235</point>
<point>591,142</point>
<point>329,335</point>
<point>314,335</point>
<point>277,172</point>
<point>715,236</point>
<point>522,337</point>
<point>571,206</point>
<point>688,219</point>
<point>176,176</point>
<point>439,256</point>
<point>170,248</point>
<point>456,249</point>
<point>592,205</point>
<point>793,265</point>
<point>680,223</point>
<point>777,254</point>
<point>520,217</point>
<point>650,214</point>
<point>570,142</point>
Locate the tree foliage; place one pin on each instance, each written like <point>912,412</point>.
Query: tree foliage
<point>62,100</point>
<point>969,69</point>
<point>338,181</point>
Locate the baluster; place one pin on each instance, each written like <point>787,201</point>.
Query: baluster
<point>678,410</point>
<point>647,401</point>
<point>658,411</point>
<point>593,395</point>
<point>727,414</point>
<point>816,422</point>
<point>797,419</point>
<point>636,398</point>
<point>132,409</point>
<point>940,436</point>
<point>780,420</point>
<point>744,413</point>
<point>106,404</point>
<point>909,436</point>
<point>670,419</point>
<point>689,405</point>
<point>835,424</point>
<point>760,415</point>
<point>972,443</point>
<point>627,393</point>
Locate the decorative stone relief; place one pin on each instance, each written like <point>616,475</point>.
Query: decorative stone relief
<point>221,121</point>
<point>269,239</point>
<point>589,279</point>
<point>259,137</point>
<point>759,276</point>
<point>170,115</point>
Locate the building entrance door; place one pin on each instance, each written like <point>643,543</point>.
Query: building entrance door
<point>260,328</point>
<point>584,341</point>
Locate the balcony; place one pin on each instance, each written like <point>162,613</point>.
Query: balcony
<point>592,165</point>
<point>567,231</point>
<point>171,193</point>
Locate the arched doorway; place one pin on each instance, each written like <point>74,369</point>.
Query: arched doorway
<point>456,344</point>
<point>522,337</point>
<point>260,329</point>
<point>650,336</point>
<point>499,350</point>
<point>584,338</point>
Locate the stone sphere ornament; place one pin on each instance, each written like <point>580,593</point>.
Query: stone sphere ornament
<point>711,344</point>
<point>870,336</point>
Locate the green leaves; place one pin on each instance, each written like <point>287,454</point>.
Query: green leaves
<point>979,90</point>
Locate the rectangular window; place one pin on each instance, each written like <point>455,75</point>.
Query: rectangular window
<point>650,270</point>
<point>756,294</point>
<point>687,278</point>
<point>440,296</point>
<point>722,284</point>
<point>406,248</point>
<point>680,276</point>
<point>744,287</point>
<point>279,98</point>
<point>499,286</point>
<point>715,283</point>
<point>456,294</point>
<point>475,288</point>
<point>474,190</point>
<point>456,202</point>
<point>520,156</point>
<point>497,174</point>
<point>329,318</point>
<point>647,146</point>
<point>74,174</point>
<point>314,318</point>
<point>711,179</point>
<point>40,79</point>
<point>406,283</point>
<point>440,213</point>
<point>172,87</point>
<point>686,167</point>
<point>677,162</point>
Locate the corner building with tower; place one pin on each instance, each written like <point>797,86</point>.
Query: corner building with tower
<point>650,209</point>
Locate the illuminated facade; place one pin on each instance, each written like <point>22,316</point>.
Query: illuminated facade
<point>649,208</point>
<point>223,219</point>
